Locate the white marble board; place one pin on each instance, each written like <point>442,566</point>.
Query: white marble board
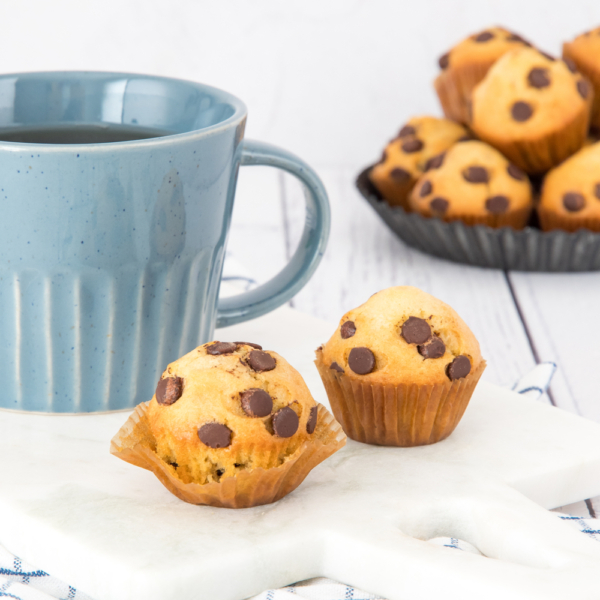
<point>362,517</point>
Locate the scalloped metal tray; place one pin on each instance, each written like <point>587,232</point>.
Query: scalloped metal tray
<point>529,249</point>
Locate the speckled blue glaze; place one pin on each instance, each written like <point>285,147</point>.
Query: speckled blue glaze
<point>111,254</point>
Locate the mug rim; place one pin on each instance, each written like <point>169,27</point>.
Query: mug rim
<point>239,114</point>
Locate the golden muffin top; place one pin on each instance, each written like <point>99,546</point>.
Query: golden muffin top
<point>528,95</point>
<point>484,47</point>
<point>584,51</point>
<point>572,190</point>
<point>402,335</point>
<point>419,140</point>
<point>472,178</point>
<point>227,406</point>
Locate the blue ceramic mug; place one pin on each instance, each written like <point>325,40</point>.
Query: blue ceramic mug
<point>116,194</point>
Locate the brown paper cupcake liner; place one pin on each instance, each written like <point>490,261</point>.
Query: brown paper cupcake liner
<point>454,87</point>
<point>516,219</point>
<point>550,220</point>
<point>594,77</point>
<point>397,415</point>
<point>396,194</point>
<point>135,444</point>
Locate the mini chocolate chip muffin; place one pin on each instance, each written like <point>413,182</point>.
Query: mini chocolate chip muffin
<point>532,108</point>
<point>420,145</point>
<point>570,196</point>
<point>477,185</point>
<point>230,425</point>
<point>466,64</point>
<point>583,54</point>
<point>400,369</point>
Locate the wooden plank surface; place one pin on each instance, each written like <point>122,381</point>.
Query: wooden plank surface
<point>559,310</point>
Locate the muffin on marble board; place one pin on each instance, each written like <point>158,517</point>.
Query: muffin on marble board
<point>230,425</point>
<point>418,144</point>
<point>474,183</point>
<point>466,64</point>
<point>400,369</point>
<point>570,197</point>
<point>532,108</point>
<point>583,54</point>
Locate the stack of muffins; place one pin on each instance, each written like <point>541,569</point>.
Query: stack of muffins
<point>520,134</point>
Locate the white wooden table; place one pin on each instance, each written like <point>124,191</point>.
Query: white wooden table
<point>519,318</point>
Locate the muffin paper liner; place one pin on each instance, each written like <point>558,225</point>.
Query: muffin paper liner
<point>550,221</point>
<point>454,87</point>
<point>529,249</point>
<point>397,415</point>
<point>135,444</point>
<point>594,77</point>
<point>516,219</point>
<point>397,194</point>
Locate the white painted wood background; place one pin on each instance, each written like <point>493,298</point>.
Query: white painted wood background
<point>332,80</point>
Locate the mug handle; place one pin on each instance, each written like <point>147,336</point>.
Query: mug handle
<point>294,276</point>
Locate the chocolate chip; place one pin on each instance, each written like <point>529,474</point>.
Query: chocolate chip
<point>439,205</point>
<point>460,367</point>
<point>444,61</point>
<point>497,204</point>
<point>311,424</point>
<point>218,348</point>
<point>347,330</point>
<point>521,111</point>
<point>215,435</point>
<point>415,330</point>
<point>435,348</point>
<point>256,402</point>
<point>260,361</point>
<point>573,201</point>
<point>548,56</point>
<point>570,64</point>
<point>400,175</point>
<point>515,172</point>
<point>465,138</point>
<point>484,36</point>
<point>257,346</point>
<point>538,78</point>
<point>335,367</point>
<point>407,130</point>
<point>361,360</point>
<point>476,175</point>
<point>285,422</point>
<point>435,162</point>
<point>597,191</point>
<point>413,145</point>
<point>169,390</point>
<point>426,189</point>
<point>583,87</point>
<point>383,158</point>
